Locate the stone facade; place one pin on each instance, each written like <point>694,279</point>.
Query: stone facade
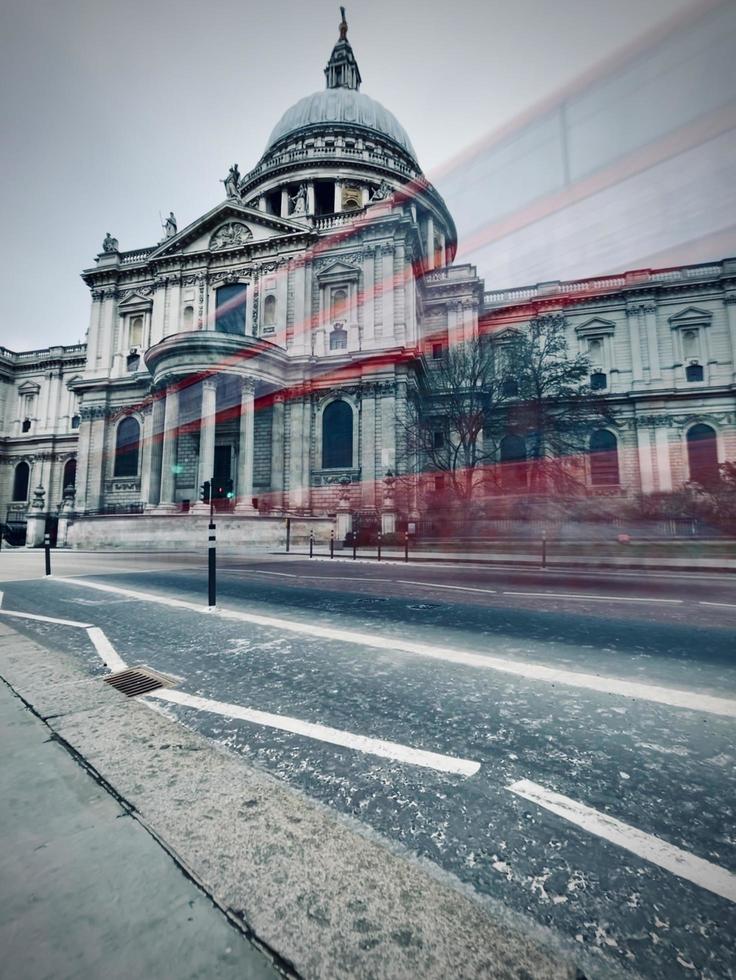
<point>271,345</point>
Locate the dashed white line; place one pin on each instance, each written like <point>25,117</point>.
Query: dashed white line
<point>437,585</point>
<point>323,733</point>
<point>685,865</point>
<point>691,700</point>
<point>593,598</point>
<point>727,605</point>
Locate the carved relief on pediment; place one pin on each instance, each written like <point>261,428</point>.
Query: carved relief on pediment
<point>230,235</point>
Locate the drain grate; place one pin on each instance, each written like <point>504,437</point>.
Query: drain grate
<point>138,680</point>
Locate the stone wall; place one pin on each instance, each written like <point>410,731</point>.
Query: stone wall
<point>188,532</point>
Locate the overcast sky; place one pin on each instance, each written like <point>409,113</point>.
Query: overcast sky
<point>115,110</point>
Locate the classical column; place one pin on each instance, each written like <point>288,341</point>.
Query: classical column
<point>207,423</point>
<point>637,374</point>
<point>245,454</point>
<point>387,283</point>
<point>730,301</point>
<point>146,452</point>
<point>649,316</point>
<point>277,452</point>
<point>168,454</point>
<point>156,452</point>
<point>646,468</point>
<point>430,243</point>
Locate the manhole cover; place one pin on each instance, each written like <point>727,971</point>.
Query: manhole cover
<point>138,680</point>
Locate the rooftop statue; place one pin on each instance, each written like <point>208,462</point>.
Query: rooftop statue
<point>170,225</point>
<point>299,200</point>
<point>109,243</point>
<point>232,181</point>
<point>343,25</point>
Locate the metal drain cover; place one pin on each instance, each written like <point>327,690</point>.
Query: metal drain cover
<point>138,680</point>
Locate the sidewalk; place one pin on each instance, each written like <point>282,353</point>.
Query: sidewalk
<point>86,892</point>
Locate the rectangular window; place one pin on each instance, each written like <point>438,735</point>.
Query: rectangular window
<point>230,309</point>
<point>438,439</point>
<point>438,352</point>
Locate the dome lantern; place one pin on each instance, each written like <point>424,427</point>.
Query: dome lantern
<point>342,69</point>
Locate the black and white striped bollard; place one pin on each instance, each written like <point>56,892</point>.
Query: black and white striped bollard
<point>212,567</point>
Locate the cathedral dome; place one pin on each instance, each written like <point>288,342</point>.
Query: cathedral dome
<point>342,107</point>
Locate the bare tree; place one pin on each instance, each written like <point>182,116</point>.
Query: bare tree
<point>554,408</point>
<point>445,427</point>
<point>524,385</point>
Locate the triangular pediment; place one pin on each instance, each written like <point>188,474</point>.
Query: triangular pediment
<point>135,299</point>
<point>29,388</point>
<point>228,226</point>
<point>691,315</point>
<point>595,326</point>
<point>338,270</point>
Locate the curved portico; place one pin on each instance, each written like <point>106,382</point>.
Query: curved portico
<point>207,384</point>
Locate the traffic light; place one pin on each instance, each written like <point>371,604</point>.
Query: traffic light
<point>204,492</point>
<point>229,492</point>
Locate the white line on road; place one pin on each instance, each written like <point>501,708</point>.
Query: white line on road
<point>728,605</point>
<point>361,743</point>
<point>456,588</point>
<point>322,733</point>
<point>681,863</point>
<point>256,571</point>
<point>691,700</point>
<point>43,619</point>
<point>105,649</point>
<point>595,598</point>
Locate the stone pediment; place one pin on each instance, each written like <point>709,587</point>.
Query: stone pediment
<point>692,316</point>
<point>29,388</point>
<point>228,226</point>
<point>595,327</point>
<point>135,300</point>
<point>338,270</point>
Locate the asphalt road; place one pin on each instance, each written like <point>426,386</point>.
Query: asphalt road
<point>344,647</point>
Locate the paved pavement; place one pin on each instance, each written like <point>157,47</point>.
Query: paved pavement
<point>86,891</point>
<point>616,692</point>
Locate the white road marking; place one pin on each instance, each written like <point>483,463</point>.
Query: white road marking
<point>256,571</point>
<point>728,605</point>
<point>1,598</point>
<point>700,872</point>
<point>105,649</point>
<point>456,588</point>
<point>595,598</point>
<point>690,700</point>
<point>43,619</point>
<point>323,733</point>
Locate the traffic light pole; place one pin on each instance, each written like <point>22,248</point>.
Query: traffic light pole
<point>212,554</point>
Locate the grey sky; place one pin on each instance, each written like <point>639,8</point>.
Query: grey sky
<point>114,111</point>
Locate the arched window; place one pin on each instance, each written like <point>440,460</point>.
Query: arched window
<point>127,441</point>
<point>513,459</point>
<point>269,311</point>
<point>339,304</point>
<point>20,481</point>
<point>337,436</point>
<point>70,474</point>
<point>187,319</point>
<point>135,334</point>
<point>604,459</point>
<point>702,454</point>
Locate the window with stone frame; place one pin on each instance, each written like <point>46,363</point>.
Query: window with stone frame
<point>230,309</point>
<point>135,331</point>
<point>337,435</point>
<point>702,454</point>
<point>604,470</point>
<point>21,479</point>
<point>127,447</point>
<point>338,338</point>
<point>187,318</point>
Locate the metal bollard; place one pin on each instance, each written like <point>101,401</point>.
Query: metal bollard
<point>332,544</point>
<point>544,549</point>
<point>379,545</point>
<point>311,543</point>
<point>47,549</point>
<point>406,546</point>
<point>288,534</point>
<point>355,543</point>
<point>212,568</point>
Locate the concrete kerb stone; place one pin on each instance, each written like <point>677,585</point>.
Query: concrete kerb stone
<point>326,898</point>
